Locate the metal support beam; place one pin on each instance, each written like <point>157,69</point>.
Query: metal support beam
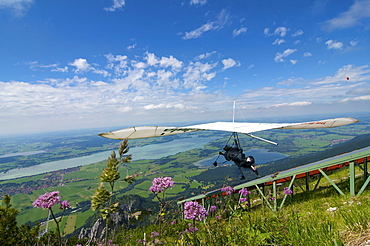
<point>285,195</point>
<point>317,183</point>
<point>331,182</point>
<point>274,194</point>
<point>352,177</point>
<point>300,186</point>
<point>364,186</point>
<point>366,174</point>
<point>307,181</point>
<point>264,197</point>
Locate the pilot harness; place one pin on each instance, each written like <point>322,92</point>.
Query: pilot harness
<point>235,154</point>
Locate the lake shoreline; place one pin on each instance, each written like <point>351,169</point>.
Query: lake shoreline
<point>151,151</point>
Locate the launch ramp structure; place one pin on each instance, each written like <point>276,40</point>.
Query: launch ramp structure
<point>355,161</point>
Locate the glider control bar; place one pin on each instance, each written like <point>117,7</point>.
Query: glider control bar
<point>259,138</point>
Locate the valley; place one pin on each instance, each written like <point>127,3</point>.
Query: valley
<point>78,184</point>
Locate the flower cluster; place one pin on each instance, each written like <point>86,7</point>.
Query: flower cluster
<point>191,229</point>
<point>109,243</point>
<point>212,209</point>
<point>48,200</point>
<point>244,192</point>
<point>228,189</point>
<point>287,191</point>
<point>161,184</point>
<point>193,210</point>
<point>64,204</point>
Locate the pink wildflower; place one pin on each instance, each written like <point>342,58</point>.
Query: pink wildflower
<point>244,192</point>
<point>47,200</point>
<point>228,190</point>
<point>65,204</point>
<point>242,200</point>
<point>287,191</point>
<point>193,210</point>
<point>161,184</point>
<point>191,229</point>
<point>212,209</point>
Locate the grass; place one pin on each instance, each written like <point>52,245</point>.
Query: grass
<point>319,217</point>
<point>70,225</point>
<point>334,220</point>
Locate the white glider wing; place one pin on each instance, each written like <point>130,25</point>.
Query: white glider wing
<point>247,128</point>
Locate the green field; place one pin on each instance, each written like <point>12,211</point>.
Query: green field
<point>78,186</point>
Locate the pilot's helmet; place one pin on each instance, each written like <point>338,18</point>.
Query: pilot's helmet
<point>227,148</point>
<point>250,159</point>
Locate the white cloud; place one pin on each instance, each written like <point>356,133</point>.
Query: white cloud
<point>101,72</point>
<point>151,59</point>
<point>237,32</point>
<point>125,109</point>
<point>35,66</point>
<point>18,7</point>
<point>353,43</point>
<point>333,45</point>
<point>213,25</point>
<point>200,2</point>
<point>170,62</point>
<point>199,31</point>
<point>228,63</point>
<point>278,41</point>
<point>290,104</point>
<point>119,63</point>
<point>293,62</point>
<point>307,54</point>
<point>81,65</point>
<point>60,69</point>
<point>358,11</point>
<point>360,98</point>
<point>117,4</point>
<point>166,85</point>
<point>196,74</point>
<point>356,74</point>
<point>281,31</point>
<point>279,56</point>
<point>165,106</point>
<point>297,33</point>
<point>204,56</point>
<point>130,47</point>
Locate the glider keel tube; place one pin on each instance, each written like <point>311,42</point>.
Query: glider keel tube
<point>145,132</point>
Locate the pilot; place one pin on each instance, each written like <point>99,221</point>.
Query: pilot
<point>236,155</point>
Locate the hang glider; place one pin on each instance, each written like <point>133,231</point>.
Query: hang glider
<point>246,128</point>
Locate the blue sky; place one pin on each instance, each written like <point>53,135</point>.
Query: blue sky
<point>84,64</point>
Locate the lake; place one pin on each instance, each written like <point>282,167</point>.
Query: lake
<point>151,151</point>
